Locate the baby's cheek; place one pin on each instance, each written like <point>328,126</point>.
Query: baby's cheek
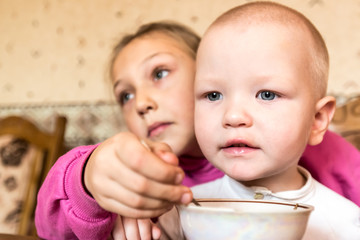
<point>205,146</point>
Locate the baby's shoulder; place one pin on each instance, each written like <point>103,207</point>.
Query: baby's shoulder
<point>326,197</point>
<point>335,211</point>
<point>334,217</point>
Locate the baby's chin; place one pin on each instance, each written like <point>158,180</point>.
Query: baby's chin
<point>241,173</point>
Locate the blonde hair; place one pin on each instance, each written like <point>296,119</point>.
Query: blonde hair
<point>184,35</point>
<point>270,12</point>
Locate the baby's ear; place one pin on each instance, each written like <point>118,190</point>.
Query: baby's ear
<point>325,109</point>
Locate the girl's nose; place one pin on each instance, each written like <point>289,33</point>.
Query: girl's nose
<point>236,116</point>
<point>144,104</point>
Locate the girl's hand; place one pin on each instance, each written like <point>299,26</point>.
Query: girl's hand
<point>133,180</point>
<point>137,229</point>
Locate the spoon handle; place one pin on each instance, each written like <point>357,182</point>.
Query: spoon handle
<point>195,202</point>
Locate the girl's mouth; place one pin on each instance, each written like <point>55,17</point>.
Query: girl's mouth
<point>157,128</point>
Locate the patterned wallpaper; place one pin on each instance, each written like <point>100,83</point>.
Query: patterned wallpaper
<point>57,50</point>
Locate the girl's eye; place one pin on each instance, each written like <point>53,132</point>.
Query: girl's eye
<point>267,95</point>
<point>214,96</point>
<point>159,74</point>
<point>125,97</point>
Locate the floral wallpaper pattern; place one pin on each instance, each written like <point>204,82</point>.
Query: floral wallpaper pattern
<point>57,50</point>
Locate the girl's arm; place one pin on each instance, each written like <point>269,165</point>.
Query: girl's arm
<point>120,175</point>
<point>64,210</point>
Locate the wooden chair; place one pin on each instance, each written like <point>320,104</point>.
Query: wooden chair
<point>26,152</point>
<point>346,121</point>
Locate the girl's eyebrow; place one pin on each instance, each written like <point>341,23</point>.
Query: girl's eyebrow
<point>117,82</point>
<point>156,54</point>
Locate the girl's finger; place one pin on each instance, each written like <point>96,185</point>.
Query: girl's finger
<point>118,232</point>
<point>131,228</point>
<point>145,229</point>
<point>148,164</point>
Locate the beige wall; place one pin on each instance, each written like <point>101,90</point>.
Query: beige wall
<point>57,50</point>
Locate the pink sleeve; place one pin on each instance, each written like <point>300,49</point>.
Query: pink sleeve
<point>64,210</point>
<point>336,164</point>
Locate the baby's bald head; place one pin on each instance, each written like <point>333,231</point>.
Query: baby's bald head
<point>256,13</point>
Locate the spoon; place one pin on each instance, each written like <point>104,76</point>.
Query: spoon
<point>195,202</point>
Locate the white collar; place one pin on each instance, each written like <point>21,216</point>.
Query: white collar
<point>256,192</point>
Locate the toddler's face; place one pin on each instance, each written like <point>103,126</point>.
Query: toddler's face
<point>153,80</point>
<point>253,101</point>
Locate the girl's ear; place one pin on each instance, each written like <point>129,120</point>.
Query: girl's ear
<point>325,109</point>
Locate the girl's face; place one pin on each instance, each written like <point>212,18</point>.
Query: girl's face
<point>153,79</point>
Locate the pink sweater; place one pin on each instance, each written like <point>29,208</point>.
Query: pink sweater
<point>65,211</point>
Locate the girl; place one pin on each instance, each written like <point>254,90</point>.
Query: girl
<point>152,73</point>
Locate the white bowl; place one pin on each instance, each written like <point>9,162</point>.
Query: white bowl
<point>221,219</point>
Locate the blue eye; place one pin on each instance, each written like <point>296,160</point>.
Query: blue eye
<point>125,97</point>
<point>267,95</point>
<point>159,74</point>
<point>214,96</point>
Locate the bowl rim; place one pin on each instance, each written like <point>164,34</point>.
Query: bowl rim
<point>300,207</point>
